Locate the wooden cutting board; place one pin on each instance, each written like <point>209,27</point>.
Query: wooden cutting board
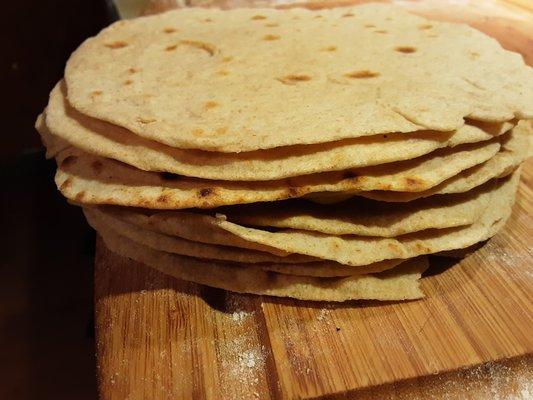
<point>470,338</point>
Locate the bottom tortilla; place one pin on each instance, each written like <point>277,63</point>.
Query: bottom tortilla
<point>400,283</point>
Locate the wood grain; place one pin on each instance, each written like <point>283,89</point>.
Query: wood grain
<point>158,337</point>
<point>470,338</point>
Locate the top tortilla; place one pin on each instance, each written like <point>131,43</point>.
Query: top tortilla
<point>249,79</point>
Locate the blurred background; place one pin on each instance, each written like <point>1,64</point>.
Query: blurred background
<point>46,311</point>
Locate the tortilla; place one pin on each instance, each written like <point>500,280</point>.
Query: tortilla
<point>95,180</point>
<point>400,283</point>
<point>514,152</point>
<point>292,265</point>
<point>367,218</point>
<point>349,250</point>
<point>190,78</point>
<point>107,140</point>
<point>101,221</point>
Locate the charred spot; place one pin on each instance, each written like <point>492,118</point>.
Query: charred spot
<point>162,198</point>
<point>167,176</point>
<point>97,166</point>
<point>66,184</point>
<point>205,192</point>
<point>292,192</point>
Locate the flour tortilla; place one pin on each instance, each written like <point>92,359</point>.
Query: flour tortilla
<point>292,265</point>
<point>514,152</point>
<point>400,283</point>
<point>349,250</point>
<point>224,81</point>
<point>95,180</point>
<point>367,218</point>
<point>107,140</point>
<point>173,244</point>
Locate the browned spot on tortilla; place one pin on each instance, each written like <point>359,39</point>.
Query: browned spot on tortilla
<point>347,15</point>
<point>382,31</point>
<point>163,198</point>
<point>271,24</point>
<point>210,104</point>
<point>132,70</point>
<point>363,74</point>
<point>119,44</point>
<point>198,131</point>
<point>292,191</point>
<point>271,37</point>
<point>474,55</point>
<point>394,247</point>
<point>66,184</point>
<point>128,82</point>
<point>169,30</point>
<point>425,26</point>
<point>370,26</point>
<point>330,48</point>
<point>223,72</point>
<point>171,47</point>
<point>293,79</point>
<point>208,20</point>
<point>222,130</point>
<point>258,17</point>
<point>70,160</point>
<point>318,16</point>
<point>227,59</point>
<point>413,182</point>
<point>97,166</point>
<point>405,49</point>
<point>80,195</point>
<point>205,192</point>
<point>96,93</point>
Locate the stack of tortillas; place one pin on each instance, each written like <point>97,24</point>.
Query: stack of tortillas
<point>320,155</point>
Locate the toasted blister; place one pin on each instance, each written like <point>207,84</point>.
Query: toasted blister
<point>100,138</point>
<point>400,283</point>
<point>188,83</point>
<point>349,250</point>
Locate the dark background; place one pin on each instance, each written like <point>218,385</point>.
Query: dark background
<point>46,306</point>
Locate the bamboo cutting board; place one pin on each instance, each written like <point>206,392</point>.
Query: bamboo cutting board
<point>470,338</point>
